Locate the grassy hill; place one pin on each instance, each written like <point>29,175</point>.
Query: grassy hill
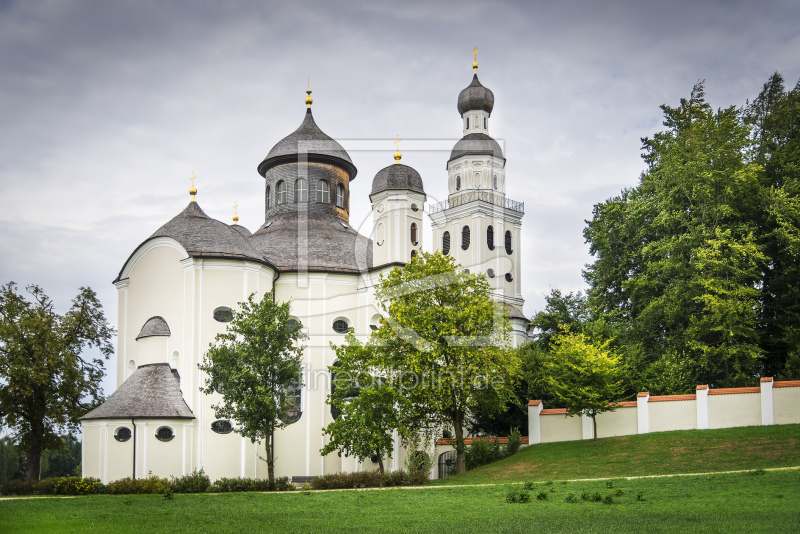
<point>686,451</point>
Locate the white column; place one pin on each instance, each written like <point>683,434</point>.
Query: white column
<point>702,407</point>
<point>643,412</point>
<point>587,427</point>
<point>767,410</point>
<point>535,407</point>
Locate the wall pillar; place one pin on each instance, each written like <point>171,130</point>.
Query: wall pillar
<point>643,412</point>
<point>702,407</point>
<point>767,406</point>
<point>587,427</point>
<point>535,407</point>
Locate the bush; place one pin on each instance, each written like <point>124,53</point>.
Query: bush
<point>518,496</point>
<point>482,452</point>
<point>282,484</point>
<point>571,498</point>
<point>395,478</point>
<point>45,486</point>
<point>541,496</point>
<point>197,482</point>
<point>128,485</point>
<point>514,441</point>
<point>17,487</point>
<point>419,465</point>
<point>364,479</point>
<point>77,486</point>
<point>231,485</point>
<point>608,499</point>
<point>527,485</point>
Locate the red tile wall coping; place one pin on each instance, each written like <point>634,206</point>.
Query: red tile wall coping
<point>766,379</point>
<point>468,441</point>
<point>643,394</point>
<point>553,411</point>
<point>534,403</point>
<point>701,387</point>
<point>628,404</point>
<point>670,398</point>
<point>733,391</point>
<point>787,384</point>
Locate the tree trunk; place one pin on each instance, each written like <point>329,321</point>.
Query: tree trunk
<point>594,427</point>
<point>34,462</point>
<point>271,459</point>
<point>380,461</point>
<point>461,449</point>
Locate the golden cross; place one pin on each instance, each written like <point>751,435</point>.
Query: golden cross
<point>235,205</point>
<point>475,52</point>
<point>193,178</point>
<point>397,144</point>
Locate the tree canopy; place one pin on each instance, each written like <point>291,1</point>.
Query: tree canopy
<point>255,366</point>
<point>48,376</point>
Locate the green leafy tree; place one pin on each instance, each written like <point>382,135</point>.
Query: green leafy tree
<point>47,380</point>
<point>256,367</point>
<point>585,377</point>
<point>443,345</point>
<point>369,409</point>
<point>561,309</point>
<point>63,462</point>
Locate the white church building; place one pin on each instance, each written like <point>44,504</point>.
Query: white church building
<point>178,288</point>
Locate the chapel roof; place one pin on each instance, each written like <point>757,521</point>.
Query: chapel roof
<point>153,391</point>
<point>476,144</point>
<point>154,326</point>
<point>397,176</point>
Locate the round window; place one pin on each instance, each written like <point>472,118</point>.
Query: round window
<point>414,208</point>
<point>509,277</point>
<point>340,326</point>
<point>222,426</point>
<point>490,273</point>
<point>223,314</point>
<point>165,433</point>
<point>122,434</point>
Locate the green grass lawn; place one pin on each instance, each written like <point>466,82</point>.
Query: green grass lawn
<point>687,451</point>
<point>768,502</point>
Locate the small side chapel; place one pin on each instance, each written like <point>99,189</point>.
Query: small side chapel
<point>179,287</point>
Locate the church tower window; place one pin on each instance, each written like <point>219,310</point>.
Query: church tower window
<point>508,242</point>
<point>340,196</point>
<point>280,193</point>
<point>446,243</point>
<point>467,123</point>
<point>484,123</point>
<point>323,192</point>
<point>490,237</point>
<point>414,234</point>
<point>458,183</point>
<point>301,190</point>
<point>294,398</point>
<point>267,196</point>
<point>465,238</point>
<point>494,181</point>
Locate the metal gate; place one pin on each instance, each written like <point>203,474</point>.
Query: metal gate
<point>447,464</point>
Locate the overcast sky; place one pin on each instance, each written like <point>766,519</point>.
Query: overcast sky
<point>106,108</point>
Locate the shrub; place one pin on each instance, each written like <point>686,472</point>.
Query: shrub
<point>608,499</point>
<point>45,486</point>
<point>238,484</point>
<point>596,497</point>
<point>518,496</point>
<point>571,498</point>
<point>619,493</point>
<point>541,496</point>
<point>282,484</point>
<point>639,495</point>
<point>482,452</point>
<point>76,486</point>
<point>527,485</point>
<point>168,496</point>
<point>395,478</point>
<point>419,465</point>
<point>150,485</point>
<point>17,487</point>
<point>364,479</point>
<point>609,484</point>
<point>197,482</point>
<point>514,441</point>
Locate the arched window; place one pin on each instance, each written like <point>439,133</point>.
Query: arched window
<point>414,234</point>
<point>467,123</point>
<point>494,182</point>
<point>508,242</point>
<point>280,193</point>
<point>484,123</point>
<point>446,243</point>
<point>301,190</point>
<point>458,183</point>
<point>294,398</point>
<point>340,196</point>
<point>323,192</point>
<point>335,412</point>
<point>490,237</point>
<point>267,197</point>
<point>465,238</point>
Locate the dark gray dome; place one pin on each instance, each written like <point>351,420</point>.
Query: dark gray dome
<point>241,229</point>
<point>154,326</point>
<point>318,242</point>
<point>397,176</point>
<point>477,144</point>
<point>475,96</point>
<point>313,143</point>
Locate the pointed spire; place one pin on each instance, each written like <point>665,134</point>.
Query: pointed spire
<point>475,60</point>
<point>397,154</point>
<point>193,190</point>
<point>309,100</point>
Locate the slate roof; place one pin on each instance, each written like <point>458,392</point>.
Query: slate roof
<point>154,326</point>
<point>331,244</point>
<point>314,143</point>
<point>475,96</point>
<point>153,391</point>
<point>514,312</point>
<point>242,230</point>
<point>478,144</point>
<point>397,176</point>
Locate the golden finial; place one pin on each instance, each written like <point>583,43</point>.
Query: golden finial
<point>235,215</point>
<point>475,60</point>
<point>309,100</point>
<point>397,154</point>
<point>193,190</point>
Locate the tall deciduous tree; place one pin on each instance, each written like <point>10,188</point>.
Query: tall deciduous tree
<point>47,380</point>
<point>585,377</point>
<point>369,409</point>
<point>256,367</point>
<point>444,344</point>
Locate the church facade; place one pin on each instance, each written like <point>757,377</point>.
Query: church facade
<point>178,289</point>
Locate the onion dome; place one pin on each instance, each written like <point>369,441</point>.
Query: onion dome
<point>397,176</point>
<point>476,144</point>
<point>308,143</point>
<point>475,97</point>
